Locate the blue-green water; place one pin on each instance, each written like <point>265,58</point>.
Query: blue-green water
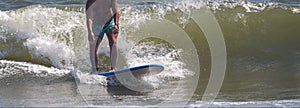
<point>43,41</point>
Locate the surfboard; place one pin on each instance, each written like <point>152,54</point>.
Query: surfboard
<point>139,70</point>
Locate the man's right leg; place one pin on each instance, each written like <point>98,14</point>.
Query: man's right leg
<point>92,45</point>
<point>96,50</point>
<point>93,53</point>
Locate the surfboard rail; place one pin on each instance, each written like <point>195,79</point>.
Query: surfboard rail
<point>152,68</point>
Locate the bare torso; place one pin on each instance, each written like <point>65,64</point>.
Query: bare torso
<point>102,11</point>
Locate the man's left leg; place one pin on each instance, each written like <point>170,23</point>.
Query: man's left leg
<point>112,36</point>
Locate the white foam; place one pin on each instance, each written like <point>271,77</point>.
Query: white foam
<point>3,16</point>
<point>133,17</point>
<point>275,103</point>
<point>49,32</point>
<point>58,53</point>
<point>87,78</point>
<point>248,6</point>
<point>160,54</point>
<point>10,68</point>
<point>295,10</point>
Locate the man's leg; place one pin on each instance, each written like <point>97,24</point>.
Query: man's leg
<point>92,45</point>
<point>112,39</point>
<point>93,53</point>
<point>96,50</point>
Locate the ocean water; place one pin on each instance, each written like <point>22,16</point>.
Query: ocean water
<point>219,53</point>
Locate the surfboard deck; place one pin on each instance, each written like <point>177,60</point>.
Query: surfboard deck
<point>140,70</point>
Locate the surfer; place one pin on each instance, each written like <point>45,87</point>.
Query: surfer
<point>102,17</point>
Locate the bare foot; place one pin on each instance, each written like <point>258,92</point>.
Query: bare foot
<point>112,70</point>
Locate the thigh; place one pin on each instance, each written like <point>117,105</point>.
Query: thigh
<point>112,36</point>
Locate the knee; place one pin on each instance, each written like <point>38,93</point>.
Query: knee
<point>113,43</point>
